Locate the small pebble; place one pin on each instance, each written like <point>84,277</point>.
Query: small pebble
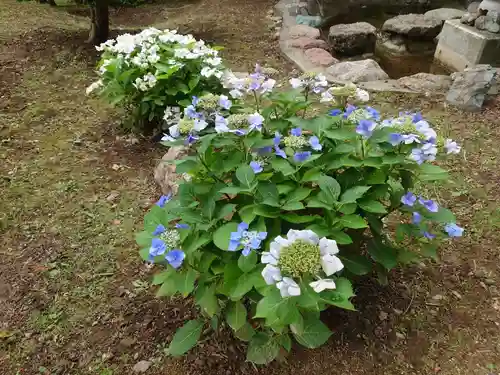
<point>456,294</point>
<point>489,281</point>
<point>141,367</point>
<point>437,297</point>
<point>383,315</point>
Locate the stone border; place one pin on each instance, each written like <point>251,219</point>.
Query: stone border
<point>298,56</point>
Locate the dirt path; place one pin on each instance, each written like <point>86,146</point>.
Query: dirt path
<point>75,299</point>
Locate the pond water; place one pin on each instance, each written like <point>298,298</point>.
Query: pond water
<point>400,65</point>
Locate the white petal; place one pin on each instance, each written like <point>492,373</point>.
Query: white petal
<point>304,235</point>
<point>268,258</point>
<point>199,125</point>
<point>331,264</point>
<point>327,246</point>
<point>320,285</point>
<point>276,246</point>
<point>283,289</point>
<point>294,291</point>
<point>271,274</point>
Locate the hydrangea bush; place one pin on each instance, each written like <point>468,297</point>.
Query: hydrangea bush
<point>152,70</point>
<point>284,202</point>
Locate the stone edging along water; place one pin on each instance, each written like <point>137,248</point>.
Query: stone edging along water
<point>318,60</point>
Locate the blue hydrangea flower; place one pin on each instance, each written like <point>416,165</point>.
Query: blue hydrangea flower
<point>373,113</point>
<point>417,218</point>
<point>190,112</point>
<point>365,128</point>
<point>181,226</point>
<point>315,145</point>
<point>256,166</point>
<point>429,204</point>
<point>250,240</point>
<point>159,230</point>
<point>256,120</point>
<point>194,100</point>
<point>410,138</point>
<point>409,199</point>
<point>335,112</point>
<point>427,152</point>
<point>428,235</point>
<point>191,138</point>
<point>453,230</point>
<point>297,132</point>
<point>416,117</point>
<point>395,139</point>
<point>451,147</point>
<point>158,247</point>
<point>175,258</point>
<point>278,151</point>
<point>239,132</point>
<point>163,200</point>
<point>224,102</point>
<point>349,109</point>
<point>302,156</point>
<point>265,150</point>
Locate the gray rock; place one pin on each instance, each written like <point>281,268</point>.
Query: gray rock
<point>413,26</point>
<point>487,23</point>
<point>469,18</point>
<point>352,39</point>
<point>473,7</point>
<point>141,367</point>
<point>164,173</point>
<point>444,14</point>
<point>333,8</point>
<point>356,71</point>
<point>392,46</point>
<point>470,87</point>
<point>313,21</point>
<point>423,82</point>
<point>490,5</point>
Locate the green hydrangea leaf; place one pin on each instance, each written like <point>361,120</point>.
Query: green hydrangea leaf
<point>185,338</point>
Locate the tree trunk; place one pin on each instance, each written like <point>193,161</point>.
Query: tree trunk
<point>99,22</point>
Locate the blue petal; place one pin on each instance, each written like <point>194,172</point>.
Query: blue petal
<point>181,226</point>
<point>242,226</point>
<point>233,245</point>
<point>296,132</point>
<point>280,152</point>
<point>159,230</point>
<point>235,236</point>
<point>262,235</point>
<point>335,112</point>
<point>246,251</point>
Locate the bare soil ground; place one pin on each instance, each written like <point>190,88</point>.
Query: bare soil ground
<point>75,298</point>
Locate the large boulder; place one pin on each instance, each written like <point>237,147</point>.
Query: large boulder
<point>356,71</point>
<point>444,14</point>
<point>490,22</point>
<point>470,87</point>
<point>333,9</point>
<point>353,38</point>
<point>413,26</point>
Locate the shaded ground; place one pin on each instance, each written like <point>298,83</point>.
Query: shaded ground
<point>75,299</point>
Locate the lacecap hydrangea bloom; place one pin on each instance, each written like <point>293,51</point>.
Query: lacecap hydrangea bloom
<point>301,254</point>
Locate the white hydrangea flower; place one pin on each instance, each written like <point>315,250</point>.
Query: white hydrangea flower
<point>301,252</point>
<point>296,83</point>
